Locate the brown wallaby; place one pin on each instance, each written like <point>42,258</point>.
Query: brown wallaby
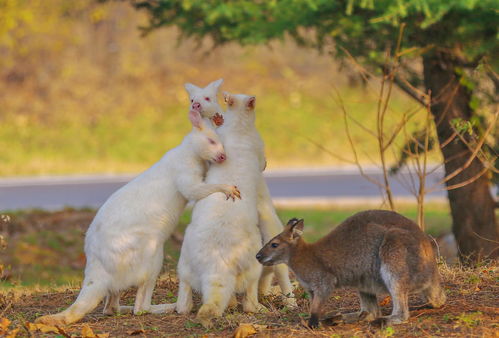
<point>374,251</point>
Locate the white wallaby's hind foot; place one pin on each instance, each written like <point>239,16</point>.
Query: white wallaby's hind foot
<point>90,296</point>
<point>57,319</point>
<point>162,308</point>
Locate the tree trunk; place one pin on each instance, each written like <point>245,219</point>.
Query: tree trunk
<point>472,206</point>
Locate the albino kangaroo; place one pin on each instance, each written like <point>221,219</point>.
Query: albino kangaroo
<point>124,243</point>
<point>218,252</point>
<point>205,100</point>
<point>374,251</point>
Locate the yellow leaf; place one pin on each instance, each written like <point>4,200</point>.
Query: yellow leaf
<point>244,330</point>
<point>42,328</point>
<point>12,333</point>
<point>4,324</point>
<point>103,335</point>
<point>386,301</point>
<point>63,332</point>
<point>86,332</point>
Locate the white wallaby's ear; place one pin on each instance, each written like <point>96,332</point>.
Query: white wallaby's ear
<point>228,99</point>
<point>190,88</point>
<point>251,102</point>
<point>196,119</point>
<point>216,84</point>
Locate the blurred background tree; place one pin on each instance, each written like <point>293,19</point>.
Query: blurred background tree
<point>82,92</point>
<point>448,55</point>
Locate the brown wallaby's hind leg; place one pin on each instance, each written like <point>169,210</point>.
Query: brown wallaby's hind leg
<point>369,309</point>
<point>395,275</point>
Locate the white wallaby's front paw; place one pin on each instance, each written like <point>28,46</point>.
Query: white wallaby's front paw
<point>232,192</point>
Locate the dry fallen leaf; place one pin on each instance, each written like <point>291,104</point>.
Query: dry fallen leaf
<point>135,332</point>
<point>12,333</point>
<point>63,332</point>
<point>386,301</point>
<point>244,330</point>
<point>87,332</point>
<point>4,325</point>
<point>42,328</point>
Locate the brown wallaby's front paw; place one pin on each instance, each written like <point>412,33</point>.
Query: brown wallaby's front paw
<point>313,322</point>
<point>218,119</point>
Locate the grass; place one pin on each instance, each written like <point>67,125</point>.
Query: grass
<point>46,248</point>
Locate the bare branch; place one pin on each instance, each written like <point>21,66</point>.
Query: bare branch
<point>409,90</point>
<point>468,181</point>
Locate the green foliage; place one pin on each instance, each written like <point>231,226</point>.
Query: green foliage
<point>364,27</point>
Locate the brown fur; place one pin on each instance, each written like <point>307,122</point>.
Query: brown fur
<point>374,251</point>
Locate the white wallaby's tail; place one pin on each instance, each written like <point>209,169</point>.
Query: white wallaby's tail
<point>90,296</point>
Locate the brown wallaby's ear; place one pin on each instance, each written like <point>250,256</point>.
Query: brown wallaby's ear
<point>228,99</point>
<point>295,227</point>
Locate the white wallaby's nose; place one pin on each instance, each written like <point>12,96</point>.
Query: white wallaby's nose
<point>220,158</point>
<point>196,106</point>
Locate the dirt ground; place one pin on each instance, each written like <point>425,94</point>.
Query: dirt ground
<point>472,310</point>
<point>51,243</point>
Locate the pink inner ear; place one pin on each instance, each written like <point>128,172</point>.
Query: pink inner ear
<point>251,102</point>
<point>195,118</point>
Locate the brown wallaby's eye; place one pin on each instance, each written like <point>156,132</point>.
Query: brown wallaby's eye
<point>207,99</point>
<point>274,245</point>
<point>211,141</point>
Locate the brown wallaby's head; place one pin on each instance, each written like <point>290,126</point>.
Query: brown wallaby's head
<point>277,250</point>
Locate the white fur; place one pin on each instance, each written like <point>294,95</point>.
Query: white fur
<point>219,248</point>
<point>269,223</point>
<point>124,243</point>
<point>206,97</point>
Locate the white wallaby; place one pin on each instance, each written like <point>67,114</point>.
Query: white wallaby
<point>124,243</point>
<point>205,100</point>
<point>218,252</point>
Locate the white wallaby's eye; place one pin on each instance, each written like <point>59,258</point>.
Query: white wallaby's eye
<point>211,141</point>
<point>192,100</point>
<point>274,245</point>
<point>207,99</point>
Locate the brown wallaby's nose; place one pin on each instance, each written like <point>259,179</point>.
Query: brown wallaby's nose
<point>196,106</point>
<point>258,256</point>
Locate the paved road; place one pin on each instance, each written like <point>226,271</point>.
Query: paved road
<point>316,186</point>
